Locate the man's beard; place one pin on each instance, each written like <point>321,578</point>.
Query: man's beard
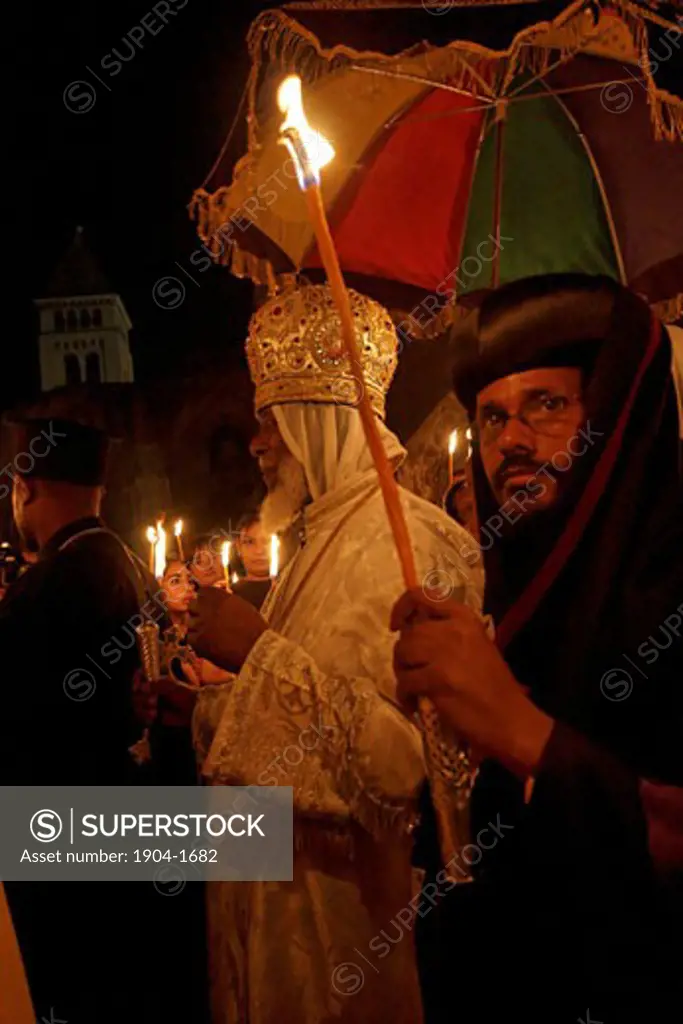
<point>287,498</point>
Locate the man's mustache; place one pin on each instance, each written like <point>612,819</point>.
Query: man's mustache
<point>514,465</point>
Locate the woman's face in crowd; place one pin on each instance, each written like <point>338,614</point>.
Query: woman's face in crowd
<point>178,588</point>
<point>253,550</point>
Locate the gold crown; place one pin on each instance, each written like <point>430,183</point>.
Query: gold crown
<point>296,353</point>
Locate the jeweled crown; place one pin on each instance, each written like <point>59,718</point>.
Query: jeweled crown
<point>296,354</point>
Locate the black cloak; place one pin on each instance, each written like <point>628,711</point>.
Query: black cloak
<point>567,912</point>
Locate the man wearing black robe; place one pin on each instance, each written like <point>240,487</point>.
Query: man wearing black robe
<point>577,709</point>
<point>93,951</point>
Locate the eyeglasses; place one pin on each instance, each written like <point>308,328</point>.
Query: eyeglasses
<point>545,413</point>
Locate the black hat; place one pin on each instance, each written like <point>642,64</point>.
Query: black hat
<point>549,320</point>
<point>59,449</point>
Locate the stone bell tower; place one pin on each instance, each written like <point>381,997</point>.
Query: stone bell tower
<point>84,325</point>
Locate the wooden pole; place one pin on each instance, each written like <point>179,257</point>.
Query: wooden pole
<point>390,492</point>
<point>501,112</point>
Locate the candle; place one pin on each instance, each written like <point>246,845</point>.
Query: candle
<point>160,551</point>
<point>452,446</point>
<point>225,559</point>
<point>152,538</point>
<point>310,152</point>
<point>178,529</point>
<point>274,555</point>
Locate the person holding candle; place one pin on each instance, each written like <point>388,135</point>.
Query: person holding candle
<point>577,708</point>
<point>171,742</point>
<point>313,705</point>
<point>178,592</point>
<point>64,724</point>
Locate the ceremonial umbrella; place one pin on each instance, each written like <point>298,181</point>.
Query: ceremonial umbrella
<point>460,166</point>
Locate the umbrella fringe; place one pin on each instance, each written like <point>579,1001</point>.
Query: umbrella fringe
<point>212,214</point>
<point>667,114</point>
<point>275,37</point>
<point>666,109</point>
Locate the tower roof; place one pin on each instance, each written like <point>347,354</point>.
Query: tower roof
<point>77,272</point>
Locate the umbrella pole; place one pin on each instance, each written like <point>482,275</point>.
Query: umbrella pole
<point>501,113</point>
<point>298,136</point>
<point>450,842</point>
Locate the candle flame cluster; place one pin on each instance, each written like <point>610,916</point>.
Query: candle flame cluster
<point>158,545</point>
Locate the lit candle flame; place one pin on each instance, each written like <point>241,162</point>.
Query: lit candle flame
<point>453,442</point>
<point>310,150</point>
<point>160,551</point>
<point>151,535</point>
<point>235,578</point>
<point>469,442</point>
<point>225,559</point>
<point>178,528</point>
<point>274,555</point>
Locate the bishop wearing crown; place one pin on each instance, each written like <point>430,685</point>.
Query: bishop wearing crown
<point>313,705</point>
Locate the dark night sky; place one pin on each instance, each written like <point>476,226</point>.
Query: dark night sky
<point>125,168</point>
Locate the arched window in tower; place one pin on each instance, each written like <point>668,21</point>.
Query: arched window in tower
<point>85,319</point>
<point>72,320</point>
<point>72,368</point>
<point>60,322</point>
<point>97,317</point>
<point>93,373</point>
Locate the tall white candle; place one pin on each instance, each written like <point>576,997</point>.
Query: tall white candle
<point>160,551</point>
<point>274,555</point>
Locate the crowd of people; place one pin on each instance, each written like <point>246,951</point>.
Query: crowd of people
<point>554,565</point>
